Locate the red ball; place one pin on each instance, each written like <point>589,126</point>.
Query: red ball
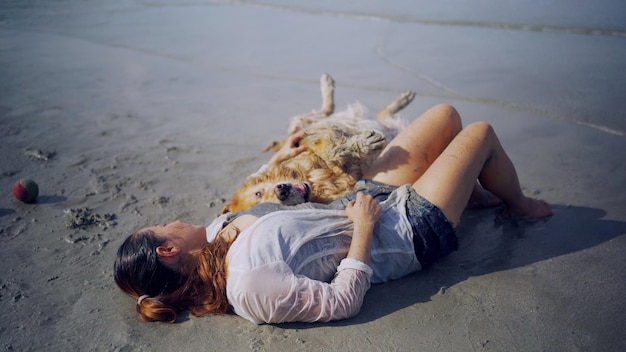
<point>25,190</point>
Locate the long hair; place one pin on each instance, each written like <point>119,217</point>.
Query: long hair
<point>202,290</point>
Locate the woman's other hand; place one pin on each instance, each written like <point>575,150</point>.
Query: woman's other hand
<point>290,149</point>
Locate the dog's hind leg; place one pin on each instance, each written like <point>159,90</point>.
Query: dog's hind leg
<point>327,85</point>
<point>400,103</point>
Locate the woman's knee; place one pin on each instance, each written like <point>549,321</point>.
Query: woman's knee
<point>450,113</point>
<point>447,118</point>
<point>480,130</point>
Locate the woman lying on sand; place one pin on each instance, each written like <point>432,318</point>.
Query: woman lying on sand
<point>315,262</point>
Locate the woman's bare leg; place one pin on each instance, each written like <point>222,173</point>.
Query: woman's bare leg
<point>475,153</point>
<point>409,155</point>
<point>482,198</point>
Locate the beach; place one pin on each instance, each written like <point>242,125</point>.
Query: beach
<point>134,113</point>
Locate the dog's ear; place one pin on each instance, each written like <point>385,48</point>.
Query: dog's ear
<point>226,208</point>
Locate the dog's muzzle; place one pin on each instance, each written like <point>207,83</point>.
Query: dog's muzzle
<point>283,190</point>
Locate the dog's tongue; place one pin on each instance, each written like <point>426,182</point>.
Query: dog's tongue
<point>302,189</point>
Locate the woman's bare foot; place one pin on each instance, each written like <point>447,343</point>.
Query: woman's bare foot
<point>529,208</point>
<point>482,199</point>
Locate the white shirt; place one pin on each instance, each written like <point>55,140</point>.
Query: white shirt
<point>291,265</point>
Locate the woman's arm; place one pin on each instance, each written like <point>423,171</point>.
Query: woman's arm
<point>364,211</point>
<point>274,294</point>
<point>290,149</point>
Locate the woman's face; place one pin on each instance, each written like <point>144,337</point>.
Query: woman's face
<point>186,236</point>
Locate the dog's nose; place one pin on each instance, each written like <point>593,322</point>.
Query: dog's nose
<point>282,190</point>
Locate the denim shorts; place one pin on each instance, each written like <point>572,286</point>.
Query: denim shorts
<point>434,236</point>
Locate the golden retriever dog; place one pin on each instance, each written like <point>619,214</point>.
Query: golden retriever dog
<point>340,147</point>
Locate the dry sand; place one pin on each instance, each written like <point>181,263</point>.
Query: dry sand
<point>143,112</point>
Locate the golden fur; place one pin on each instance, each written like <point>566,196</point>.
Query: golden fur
<point>340,147</point>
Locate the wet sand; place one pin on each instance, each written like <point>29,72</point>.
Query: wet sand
<point>145,112</point>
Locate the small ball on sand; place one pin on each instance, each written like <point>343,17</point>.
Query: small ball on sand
<point>25,190</point>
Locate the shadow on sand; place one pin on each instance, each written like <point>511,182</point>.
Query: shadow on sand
<point>486,246</point>
<point>51,199</point>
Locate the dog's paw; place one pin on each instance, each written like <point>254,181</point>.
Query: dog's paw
<point>327,83</point>
<point>359,148</point>
<point>400,103</point>
<point>371,141</point>
<point>403,100</point>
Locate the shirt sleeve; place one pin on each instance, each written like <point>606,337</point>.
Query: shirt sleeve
<point>274,294</point>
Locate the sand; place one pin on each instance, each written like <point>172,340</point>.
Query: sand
<point>143,112</point>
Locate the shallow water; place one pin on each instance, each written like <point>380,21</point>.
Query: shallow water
<point>562,60</point>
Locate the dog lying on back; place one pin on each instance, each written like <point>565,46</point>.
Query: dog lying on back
<point>340,147</point>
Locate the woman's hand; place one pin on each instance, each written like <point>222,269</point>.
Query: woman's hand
<point>364,211</point>
<point>290,149</point>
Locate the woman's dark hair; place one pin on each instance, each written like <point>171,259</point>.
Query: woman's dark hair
<point>138,271</point>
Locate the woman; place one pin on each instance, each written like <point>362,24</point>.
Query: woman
<point>315,262</point>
